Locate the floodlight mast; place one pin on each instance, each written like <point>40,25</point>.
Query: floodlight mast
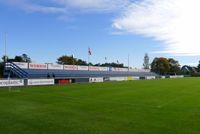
<point>128,62</point>
<point>5,58</point>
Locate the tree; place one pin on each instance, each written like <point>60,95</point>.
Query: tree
<point>66,60</point>
<point>21,58</point>
<point>188,70</point>
<point>26,58</point>
<point>70,60</point>
<point>160,66</point>
<point>81,62</point>
<point>198,67</point>
<point>112,65</point>
<point>5,58</point>
<point>18,59</point>
<point>174,66</point>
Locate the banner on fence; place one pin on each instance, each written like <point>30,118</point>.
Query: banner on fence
<point>104,69</point>
<point>70,67</point>
<point>150,77</point>
<point>21,65</point>
<point>37,66</point>
<point>55,67</point>
<point>91,80</point>
<point>176,76</point>
<point>129,78</point>
<point>11,83</point>
<point>34,82</point>
<point>163,77</point>
<point>83,68</point>
<point>93,68</point>
<point>118,78</point>
<point>119,69</point>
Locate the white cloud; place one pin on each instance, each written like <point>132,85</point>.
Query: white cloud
<point>31,7</point>
<point>44,9</point>
<point>108,5</point>
<point>175,22</point>
<point>62,6</point>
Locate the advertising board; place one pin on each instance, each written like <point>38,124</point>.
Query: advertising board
<point>136,78</point>
<point>103,69</point>
<point>11,83</point>
<point>176,76</point>
<point>119,69</point>
<point>22,65</point>
<point>63,81</point>
<point>70,67</point>
<point>37,66</point>
<point>91,80</point>
<point>150,77</point>
<point>93,68</point>
<point>83,68</point>
<point>133,78</point>
<point>34,82</point>
<point>118,79</point>
<point>55,67</point>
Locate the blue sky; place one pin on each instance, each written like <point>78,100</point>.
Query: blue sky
<point>46,30</point>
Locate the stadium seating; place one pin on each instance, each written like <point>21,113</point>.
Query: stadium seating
<point>82,74</point>
<point>13,70</point>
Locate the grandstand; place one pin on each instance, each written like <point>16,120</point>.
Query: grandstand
<point>31,70</point>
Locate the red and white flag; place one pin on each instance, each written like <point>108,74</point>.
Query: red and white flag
<point>89,51</point>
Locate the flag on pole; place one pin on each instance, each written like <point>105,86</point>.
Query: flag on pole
<point>89,51</point>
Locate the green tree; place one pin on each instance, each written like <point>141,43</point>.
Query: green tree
<point>160,66</point>
<point>25,58</point>
<point>70,60</point>
<point>66,60</point>
<point>112,65</point>
<point>5,58</point>
<point>20,58</point>
<point>174,66</point>
<point>81,62</point>
<point>198,67</point>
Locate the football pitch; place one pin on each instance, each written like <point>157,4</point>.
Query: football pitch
<point>170,106</point>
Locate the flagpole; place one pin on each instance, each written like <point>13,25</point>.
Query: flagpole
<point>105,60</point>
<point>88,58</point>
<point>88,62</point>
<point>89,54</point>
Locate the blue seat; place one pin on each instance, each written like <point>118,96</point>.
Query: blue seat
<point>74,74</point>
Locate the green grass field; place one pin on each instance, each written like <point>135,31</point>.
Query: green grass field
<point>170,106</point>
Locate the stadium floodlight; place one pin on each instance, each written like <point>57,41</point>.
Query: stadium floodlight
<point>128,62</point>
<point>5,50</point>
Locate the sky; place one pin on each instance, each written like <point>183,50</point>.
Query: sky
<point>47,29</point>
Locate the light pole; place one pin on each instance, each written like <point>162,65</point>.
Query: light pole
<point>128,63</point>
<point>5,58</point>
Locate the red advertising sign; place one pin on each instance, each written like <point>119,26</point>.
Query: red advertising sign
<point>37,66</point>
<point>70,67</point>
